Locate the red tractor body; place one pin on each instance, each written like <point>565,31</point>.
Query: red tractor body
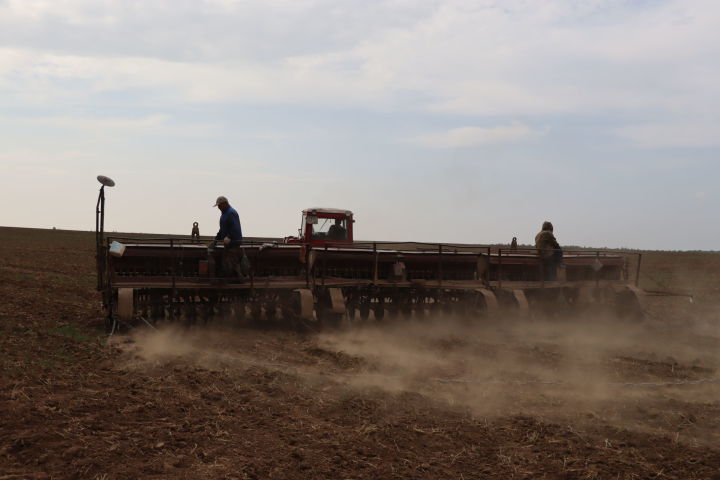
<point>325,226</point>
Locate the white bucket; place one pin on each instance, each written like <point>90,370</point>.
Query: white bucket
<point>117,249</point>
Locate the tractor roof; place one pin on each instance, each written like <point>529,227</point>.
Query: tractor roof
<point>327,210</point>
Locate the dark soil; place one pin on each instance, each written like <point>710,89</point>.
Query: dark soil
<point>242,403</point>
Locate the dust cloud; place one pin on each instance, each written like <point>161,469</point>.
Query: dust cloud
<point>163,344</point>
<point>591,366</point>
<point>582,369</point>
<point>210,348</point>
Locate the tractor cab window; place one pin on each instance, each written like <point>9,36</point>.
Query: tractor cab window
<point>332,229</point>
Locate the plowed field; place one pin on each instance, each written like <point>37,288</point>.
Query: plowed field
<point>581,398</point>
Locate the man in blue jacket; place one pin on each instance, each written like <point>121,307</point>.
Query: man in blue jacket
<point>230,234</point>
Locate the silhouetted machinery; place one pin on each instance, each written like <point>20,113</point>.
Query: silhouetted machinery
<point>323,277</point>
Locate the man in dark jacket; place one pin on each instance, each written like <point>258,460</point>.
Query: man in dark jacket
<point>549,251</point>
<point>337,231</point>
<point>230,234</point>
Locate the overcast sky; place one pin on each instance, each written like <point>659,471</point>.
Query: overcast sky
<point>456,121</point>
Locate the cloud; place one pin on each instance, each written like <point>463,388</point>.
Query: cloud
<point>672,135</point>
<point>137,84</point>
<point>150,124</point>
<point>71,11</point>
<point>221,30</point>
<point>507,58</point>
<point>472,136</point>
<point>299,80</point>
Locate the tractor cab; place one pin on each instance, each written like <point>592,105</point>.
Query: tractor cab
<point>321,226</point>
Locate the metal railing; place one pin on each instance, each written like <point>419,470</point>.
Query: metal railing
<point>596,253</point>
<point>176,244</point>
